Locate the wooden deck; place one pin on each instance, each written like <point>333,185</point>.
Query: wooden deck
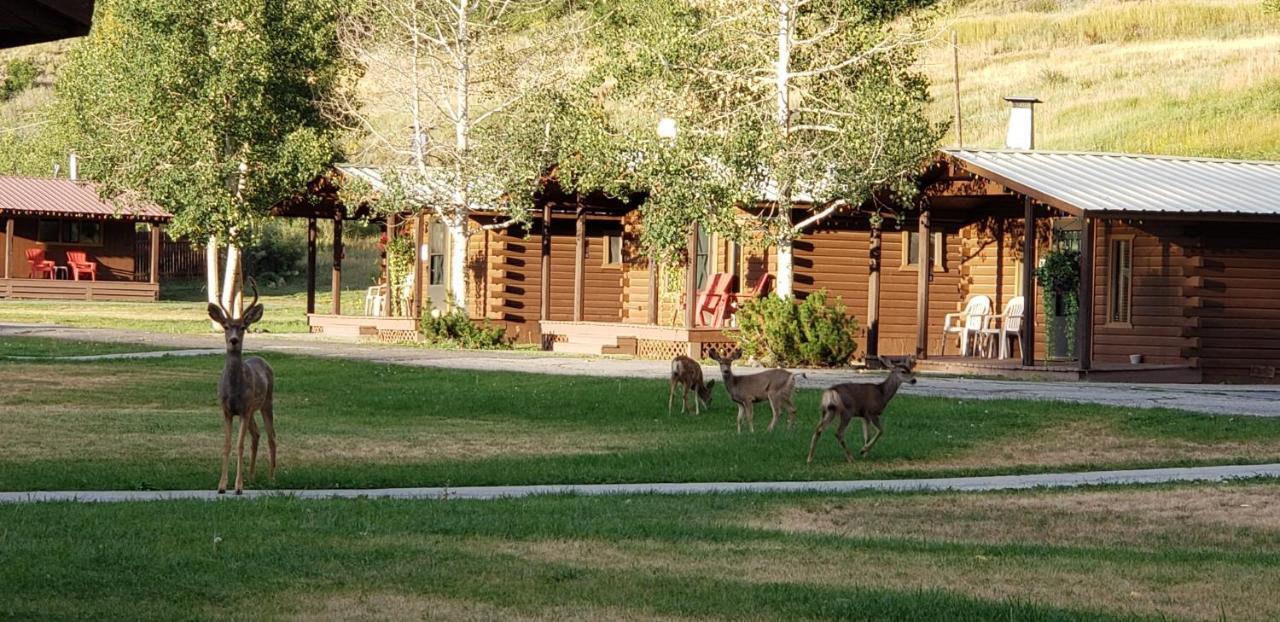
<point>1065,370</point>
<point>364,326</point>
<point>49,289</point>
<point>640,340</point>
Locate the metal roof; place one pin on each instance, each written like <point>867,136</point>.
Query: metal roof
<point>1131,184</point>
<point>435,187</point>
<point>42,196</point>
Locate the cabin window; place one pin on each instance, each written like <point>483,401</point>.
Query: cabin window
<point>1120,283</point>
<point>702,262</point>
<point>613,250</point>
<point>911,249</point>
<point>435,254</point>
<point>78,232</point>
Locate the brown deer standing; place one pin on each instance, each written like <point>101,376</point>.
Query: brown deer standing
<point>863,400</point>
<point>687,373</point>
<point>774,385</point>
<point>245,387</point>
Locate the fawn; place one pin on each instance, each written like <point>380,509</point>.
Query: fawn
<point>245,387</point>
<point>863,400</point>
<point>774,385</point>
<point>687,373</point>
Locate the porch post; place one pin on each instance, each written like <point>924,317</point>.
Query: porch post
<point>417,265</point>
<point>155,254</point>
<point>1084,319</point>
<point>691,279</point>
<point>311,265</point>
<point>8,248</point>
<point>388,229</point>
<point>652,311</point>
<point>1028,336</point>
<point>579,270</point>
<point>544,310</point>
<point>337,262</point>
<point>925,266</point>
<point>873,293</point>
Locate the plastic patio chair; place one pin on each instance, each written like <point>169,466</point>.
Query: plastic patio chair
<point>1006,326</point>
<point>39,265</point>
<point>79,263</point>
<point>965,323</point>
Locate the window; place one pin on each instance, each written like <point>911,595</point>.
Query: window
<point>1120,282</point>
<point>613,250</point>
<point>703,261</point>
<point>911,254</point>
<point>435,254</point>
<point>1066,234</point>
<point>79,232</point>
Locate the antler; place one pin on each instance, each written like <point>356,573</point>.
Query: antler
<point>254,284</point>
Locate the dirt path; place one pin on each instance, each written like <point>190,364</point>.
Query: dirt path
<point>1254,400</point>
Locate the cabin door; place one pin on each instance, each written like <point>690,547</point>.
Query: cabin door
<point>437,253</point>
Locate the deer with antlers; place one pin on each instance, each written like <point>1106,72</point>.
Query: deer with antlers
<point>864,401</point>
<point>245,387</point>
<point>773,385</point>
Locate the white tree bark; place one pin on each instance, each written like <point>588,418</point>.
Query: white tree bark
<point>786,271</point>
<point>458,263</point>
<point>782,78</point>
<point>212,262</point>
<point>231,283</point>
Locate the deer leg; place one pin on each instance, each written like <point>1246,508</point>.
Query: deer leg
<point>740,415</point>
<point>817,433</point>
<point>253,446</point>
<point>864,432</point>
<point>844,423</point>
<point>773,406</point>
<point>791,413</point>
<point>671,394</point>
<point>684,401</point>
<point>268,422</point>
<point>226,452</point>
<point>875,423</point>
<point>750,408</point>
<point>240,454</point>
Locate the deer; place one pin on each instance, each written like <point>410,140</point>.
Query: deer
<point>774,385</point>
<point>245,387</point>
<point>862,400</point>
<point>687,373</point>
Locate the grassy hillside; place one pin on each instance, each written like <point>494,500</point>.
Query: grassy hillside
<point>24,116</point>
<point>1177,77</point>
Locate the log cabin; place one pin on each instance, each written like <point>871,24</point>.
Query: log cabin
<point>51,217</point>
<point>1180,268</point>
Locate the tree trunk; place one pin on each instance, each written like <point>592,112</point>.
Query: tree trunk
<point>232,283</point>
<point>786,272</point>
<point>458,264</point>
<point>212,263</point>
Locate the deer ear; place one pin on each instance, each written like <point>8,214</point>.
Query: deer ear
<point>884,361</point>
<point>216,314</point>
<point>737,354</point>
<point>253,314</point>
<point>910,363</point>
<point>713,355</point>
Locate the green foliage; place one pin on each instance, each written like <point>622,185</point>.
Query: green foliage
<point>455,329</point>
<point>271,258</point>
<point>212,109</point>
<point>399,267</point>
<point>20,75</point>
<point>1059,278</point>
<point>797,333</point>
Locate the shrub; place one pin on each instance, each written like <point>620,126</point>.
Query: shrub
<point>272,253</point>
<point>791,333</point>
<point>457,330</point>
<point>20,75</point>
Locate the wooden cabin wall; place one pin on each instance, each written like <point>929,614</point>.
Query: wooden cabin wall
<point>114,256</point>
<point>991,265</point>
<point>477,272</point>
<point>602,300</point>
<point>1160,257</point>
<point>515,284</point>
<point>635,273</point>
<point>1236,285</point>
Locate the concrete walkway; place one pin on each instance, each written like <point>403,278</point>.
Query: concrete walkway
<point>1254,400</point>
<point>963,484</point>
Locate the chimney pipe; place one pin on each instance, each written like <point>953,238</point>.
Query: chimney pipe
<point>1022,124</point>
<point>73,167</point>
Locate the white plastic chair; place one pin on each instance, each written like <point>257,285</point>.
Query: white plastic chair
<point>965,323</point>
<point>1005,326</point>
<point>375,299</point>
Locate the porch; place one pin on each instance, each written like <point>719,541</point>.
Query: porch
<point>648,341</point>
<point>61,289</point>
<point>1058,370</point>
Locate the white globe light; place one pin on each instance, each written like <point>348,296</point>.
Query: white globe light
<point>667,128</point>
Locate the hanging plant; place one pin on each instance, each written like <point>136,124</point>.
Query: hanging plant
<point>1059,278</point>
<point>399,268</point>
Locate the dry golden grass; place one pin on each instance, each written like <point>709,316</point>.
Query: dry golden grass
<point>362,607</point>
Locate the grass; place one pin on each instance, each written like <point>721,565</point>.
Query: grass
<point>137,424</point>
<point>1187,77</point>
<point>1102,554</point>
<point>44,347</point>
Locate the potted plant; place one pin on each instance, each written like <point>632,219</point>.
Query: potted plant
<point>1059,278</point>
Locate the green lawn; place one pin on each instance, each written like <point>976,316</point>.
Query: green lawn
<point>132,424</point>
<point>46,347</point>
<point>1168,553</point>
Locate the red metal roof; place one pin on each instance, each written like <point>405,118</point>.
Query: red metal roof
<point>40,196</point>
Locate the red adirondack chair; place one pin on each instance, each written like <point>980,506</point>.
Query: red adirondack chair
<point>713,300</point>
<point>39,265</point>
<point>79,263</point>
<point>762,285</point>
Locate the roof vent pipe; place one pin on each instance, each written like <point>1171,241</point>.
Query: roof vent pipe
<point>1022,123</point>
<point>73,167</point>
